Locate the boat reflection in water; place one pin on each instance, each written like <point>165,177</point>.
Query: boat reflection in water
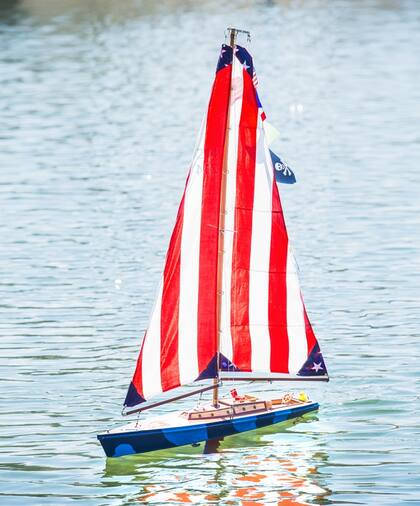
<point>248,469</point>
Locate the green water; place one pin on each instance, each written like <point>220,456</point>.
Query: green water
<point>100,103</point>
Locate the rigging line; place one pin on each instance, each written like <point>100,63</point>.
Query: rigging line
<point>166,401</point>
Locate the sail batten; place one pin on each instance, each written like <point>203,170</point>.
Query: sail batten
<point>241,310</point>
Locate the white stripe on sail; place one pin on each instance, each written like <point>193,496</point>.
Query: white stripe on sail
<point>189,268</point>
<point>298,346</point>
<point>260,257</point>
<point>234,119</point>
<point>151,352</point>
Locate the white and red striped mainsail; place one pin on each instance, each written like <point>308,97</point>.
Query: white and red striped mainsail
<point>261,324</point>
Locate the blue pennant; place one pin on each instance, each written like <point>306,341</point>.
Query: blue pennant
<point>282,171</point>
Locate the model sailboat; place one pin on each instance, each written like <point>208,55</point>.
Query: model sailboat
<point>229,304</point>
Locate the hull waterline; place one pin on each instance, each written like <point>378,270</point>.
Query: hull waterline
<point>128,440</point>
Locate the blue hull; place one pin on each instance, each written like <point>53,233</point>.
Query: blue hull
<point>141,441</point>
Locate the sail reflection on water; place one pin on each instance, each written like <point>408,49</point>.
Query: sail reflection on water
<point>289,479</point>
<point>236,470</point>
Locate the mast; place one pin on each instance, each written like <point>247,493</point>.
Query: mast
<point>232,33</point>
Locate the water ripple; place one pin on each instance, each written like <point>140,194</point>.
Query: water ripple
<point>99,107</point>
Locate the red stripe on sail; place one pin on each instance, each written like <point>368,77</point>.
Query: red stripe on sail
<point>169,364</point>
<point>241,255</point>
<point>277,296</point>
<point>214,147</point>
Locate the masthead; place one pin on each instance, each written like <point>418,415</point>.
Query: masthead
<point>233,32</point>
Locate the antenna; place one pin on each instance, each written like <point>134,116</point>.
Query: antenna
<point>233,33</point>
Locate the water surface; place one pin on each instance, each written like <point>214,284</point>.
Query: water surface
<point>100,103</point>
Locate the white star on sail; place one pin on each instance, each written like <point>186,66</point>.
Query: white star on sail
<point>245,66</point>
<point>316,367</point>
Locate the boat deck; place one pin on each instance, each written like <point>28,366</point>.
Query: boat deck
<point>228,410</point>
